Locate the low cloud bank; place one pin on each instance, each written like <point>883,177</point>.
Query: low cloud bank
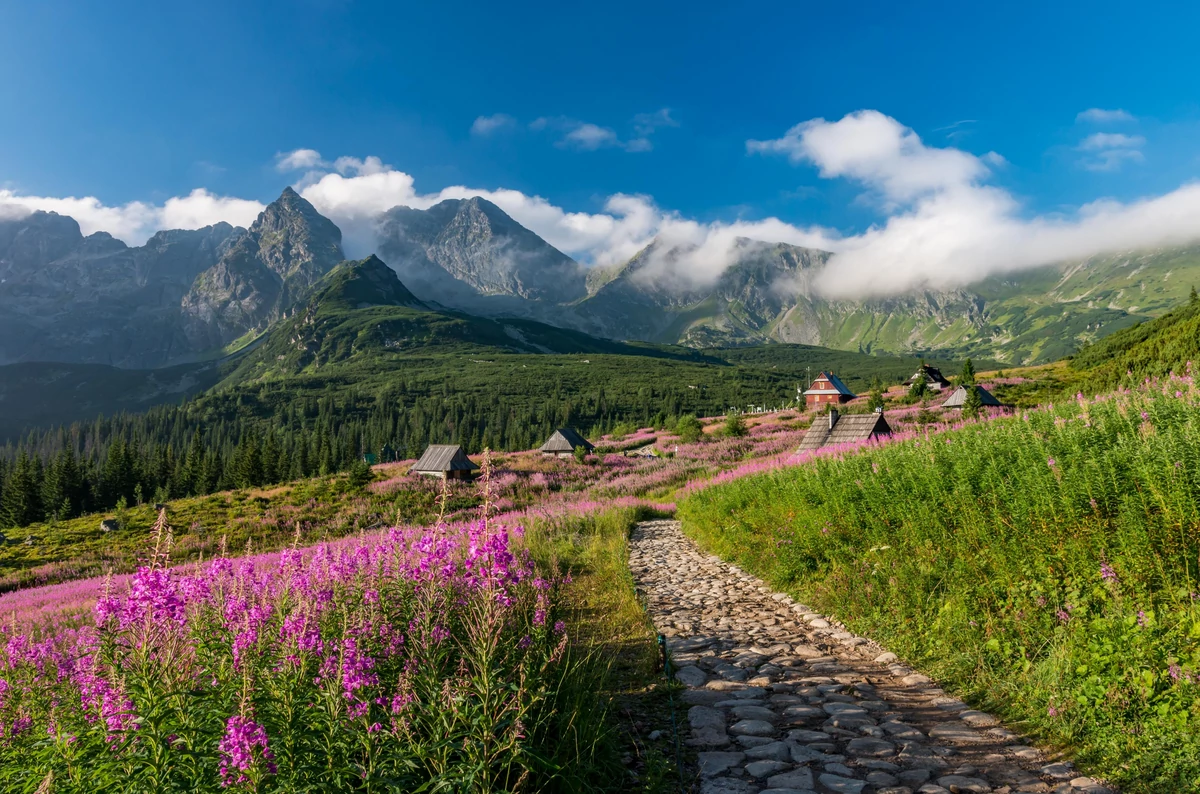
<point>942,224</point>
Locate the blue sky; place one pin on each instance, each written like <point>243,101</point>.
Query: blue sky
<point>140,102</point>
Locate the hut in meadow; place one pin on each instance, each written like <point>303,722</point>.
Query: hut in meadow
<point>934,380</point>
<point>835,428</point>
<point>447,461</point>
<point>827,388</point>
<point>958,398</point>
<point>563,442</point>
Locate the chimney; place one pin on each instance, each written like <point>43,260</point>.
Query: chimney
<point>833,417</point>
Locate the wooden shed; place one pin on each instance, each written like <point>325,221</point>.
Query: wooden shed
<point>563,443</point>
<point>447,461</point>
<point>837,428</point>
<point>827,388</point>
<point>931,375</point>
<point>959,398</point>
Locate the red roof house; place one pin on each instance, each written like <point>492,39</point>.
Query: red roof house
<point>827,388</point>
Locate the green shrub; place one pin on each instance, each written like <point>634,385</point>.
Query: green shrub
<point>689,429</point>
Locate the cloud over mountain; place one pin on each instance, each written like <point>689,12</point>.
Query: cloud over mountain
<point>945,227</point>
<point>943,223</point>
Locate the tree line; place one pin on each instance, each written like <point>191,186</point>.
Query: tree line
<point>243,438</point>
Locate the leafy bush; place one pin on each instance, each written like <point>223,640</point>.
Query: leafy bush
<point>1044,565</point>
<point>735,426</point>
<point>689,429</point>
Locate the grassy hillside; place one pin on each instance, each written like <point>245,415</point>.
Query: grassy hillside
<point>1044,566</point>
<point>1168,344</point>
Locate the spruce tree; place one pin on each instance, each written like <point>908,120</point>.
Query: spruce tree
<point>967,378</point>
<point>22,503</point>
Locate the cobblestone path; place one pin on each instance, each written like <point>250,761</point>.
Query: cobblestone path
<point>782,700</point>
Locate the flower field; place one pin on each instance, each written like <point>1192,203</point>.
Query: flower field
<point>1047,565</point>
<point>435,653</point>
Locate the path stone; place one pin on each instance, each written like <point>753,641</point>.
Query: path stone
<point>785,700</point>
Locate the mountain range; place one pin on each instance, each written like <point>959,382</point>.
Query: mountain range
<point>195,296</point>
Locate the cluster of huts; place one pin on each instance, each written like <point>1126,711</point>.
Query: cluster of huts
<point>836,428</point>
<point>448,461</point>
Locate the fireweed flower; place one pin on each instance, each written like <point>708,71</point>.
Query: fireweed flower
<point>1107,573</point>
<point>242,748</point>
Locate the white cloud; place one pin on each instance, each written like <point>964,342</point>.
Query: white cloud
<point>486,125</point>
<point>946,228</point>
<point>877,150</point>
<point>136,221</point>
<point>1102,116</point>
<point>298,160</point>
<point>943,227</point>
<point>1110,140</point>
<point>590,137</point>
<point>644,124</point>
<point>1108,151</point>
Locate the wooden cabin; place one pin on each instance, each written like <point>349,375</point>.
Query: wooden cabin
<point>447,461</point>
<point>563,442</point>
<point>932,376</point>
<point>827,388</point>
<point>836,428</point>
<point>958,398</point>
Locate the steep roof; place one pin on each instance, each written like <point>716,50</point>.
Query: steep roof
<point>834,381</point>
<point>931,375</point>
<point>565,439</point>
<point>959,398</point>
<point>442,458</point>
<point>847,428</point>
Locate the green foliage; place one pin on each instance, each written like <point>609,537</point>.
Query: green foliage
<point>919,390</point>
<point>580,454</point>
<point>1042,565</point>
<point>875,401</point>
<point>359,474</point>
<point>1153,349</point>
<point>735,426</point>
<point>967,378</point>
<point>689,429</point>
<point>973,404</point>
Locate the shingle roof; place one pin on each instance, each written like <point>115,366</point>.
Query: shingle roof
<point>931,375</point>
<point>835,381</point>
<point>959,398</point>
<point>444,457</point>
<point>565,440</point>
<point>847,428</point>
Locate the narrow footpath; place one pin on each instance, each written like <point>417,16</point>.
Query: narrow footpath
<point>782,700</point>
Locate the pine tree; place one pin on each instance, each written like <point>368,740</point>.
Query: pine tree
<point>22,503</point>
<point>967,378</point>
<point>973,404</point>
<point>875,401</point>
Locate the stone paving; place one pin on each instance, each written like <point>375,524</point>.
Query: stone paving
<point>782,700</point>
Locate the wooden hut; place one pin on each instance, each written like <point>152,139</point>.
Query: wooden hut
<point>837,428</point>
<point>827,388</point>
<point>932,376</point>
<point>447,461</point>
<point>563,442</point>
<point>958,398</point>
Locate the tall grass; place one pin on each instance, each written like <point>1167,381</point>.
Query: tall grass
<point>1046,565</point>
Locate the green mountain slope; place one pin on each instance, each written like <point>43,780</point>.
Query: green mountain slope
<point>1170,343</point>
